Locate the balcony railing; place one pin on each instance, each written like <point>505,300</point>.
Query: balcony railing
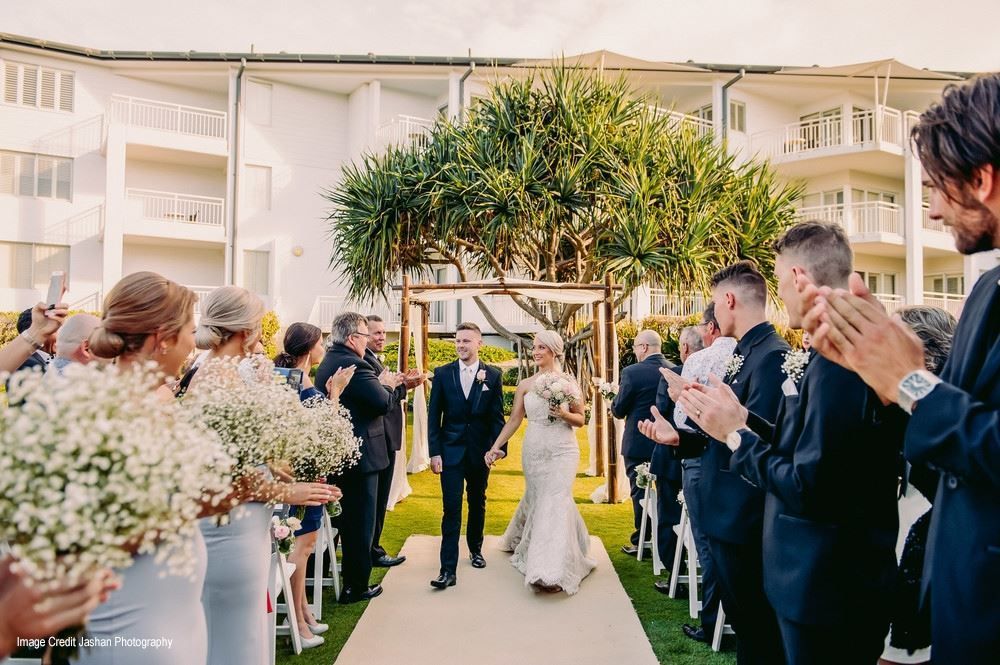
<point>929,223</point>
<point>169,117</point>
<point>200,292</point>
<point>910,120</point>
<point>678,120</point>
<point>663,302</point>
<point>326,308</point>
<point>829,132</point>
<point>890,301</point>
<point>404,131</point>
<point>185,208</point>
<point>950,302</point>
<point>863,217</point>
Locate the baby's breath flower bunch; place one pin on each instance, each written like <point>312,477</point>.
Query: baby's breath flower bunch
<point>256,421</point>
<point>95,466</point>
<point>331,446</point>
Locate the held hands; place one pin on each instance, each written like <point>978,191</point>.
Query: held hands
<point>335,384</point>
<point>436,464</point>
<point>715,409</point>
<point>659,428</point>
<point>493,456</point>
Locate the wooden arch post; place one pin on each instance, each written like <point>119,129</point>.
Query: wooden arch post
<point>600,415</point>
<point>404,327</point>
<point>609,369</point>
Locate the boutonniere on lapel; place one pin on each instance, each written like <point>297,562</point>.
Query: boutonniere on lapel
<point>481,378</point>
<point>733,366</point>
<point>795,364</point>
<point>380,357</point>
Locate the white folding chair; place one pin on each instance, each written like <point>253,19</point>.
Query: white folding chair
<point>650,511</point>
<point>721,628</point>
<point>685,544</point>
<point>325,541</point>
<point>281,583</point>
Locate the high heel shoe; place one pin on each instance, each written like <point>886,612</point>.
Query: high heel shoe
<point>311,642</point>
<point>317,628</point>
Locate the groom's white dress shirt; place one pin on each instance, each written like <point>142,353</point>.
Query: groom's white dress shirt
<point>468,376</point>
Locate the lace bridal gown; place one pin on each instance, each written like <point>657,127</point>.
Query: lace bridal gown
<point>547,535</point>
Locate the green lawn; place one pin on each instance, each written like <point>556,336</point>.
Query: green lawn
<point>421,513</point>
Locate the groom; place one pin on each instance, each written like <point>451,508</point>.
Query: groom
<point>466,416</point>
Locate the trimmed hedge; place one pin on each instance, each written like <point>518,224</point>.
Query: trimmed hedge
<point>442,352</point>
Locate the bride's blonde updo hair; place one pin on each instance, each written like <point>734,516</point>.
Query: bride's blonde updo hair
<point>226,311</point>
<point>140,305</point>
<point>552,341</point>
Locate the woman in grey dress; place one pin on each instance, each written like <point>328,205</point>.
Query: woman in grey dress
<point>239,552</point>
<point>147,317</point>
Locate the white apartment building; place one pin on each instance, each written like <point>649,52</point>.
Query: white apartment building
<point>208,168</point>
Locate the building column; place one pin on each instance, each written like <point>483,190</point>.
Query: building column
<point>114,207</point>
<point>913,228</point>
<point>848,210</point>
<point>717,111</point>
<point>454,103</point>
<point>847,124</point>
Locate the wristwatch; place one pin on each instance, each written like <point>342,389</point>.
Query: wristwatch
<point>914,387</point>
<point>26,336</point>
<point>735,438</point>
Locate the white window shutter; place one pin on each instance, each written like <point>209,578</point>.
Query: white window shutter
<point>48,89</point>
<point>66,88</point>
<point>46,171</point>
<point>29,86</point>
<point>11,73</point>
<point>7,162</point>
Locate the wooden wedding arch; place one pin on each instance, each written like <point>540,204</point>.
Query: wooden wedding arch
<point>601,296</point>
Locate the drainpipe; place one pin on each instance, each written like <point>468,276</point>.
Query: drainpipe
<point>725,102</point>
<point>461,90</point>
<point>234,152</point>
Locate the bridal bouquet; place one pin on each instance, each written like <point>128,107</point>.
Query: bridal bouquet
<point>557,389</point>
<point>95,466</point>
<point>257,421</point>
<point>283,532</point>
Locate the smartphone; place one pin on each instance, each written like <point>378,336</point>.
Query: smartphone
<point>292,376</point>
<point>57,288</point>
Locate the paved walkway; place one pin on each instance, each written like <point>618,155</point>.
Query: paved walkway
<point>491,618</point>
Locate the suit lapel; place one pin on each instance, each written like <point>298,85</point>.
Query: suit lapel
<point>456,374</point>
<point>475,392</point>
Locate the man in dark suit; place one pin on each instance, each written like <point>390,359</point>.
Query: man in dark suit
<point>465,417</point>
<point>636,393</point>
<point>732,509</point>
<point>955,421</point>
<point>368,397</point>
<point>393,435</point>
<point>829,466</point>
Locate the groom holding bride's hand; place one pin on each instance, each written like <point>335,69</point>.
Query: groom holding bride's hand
<point>465,417</point>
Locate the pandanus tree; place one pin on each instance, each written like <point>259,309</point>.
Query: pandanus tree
<point>564,176</point>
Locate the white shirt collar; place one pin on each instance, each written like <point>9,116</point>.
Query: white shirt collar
<point>468,368</point>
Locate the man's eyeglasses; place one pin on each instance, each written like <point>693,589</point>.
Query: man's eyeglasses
<point>361,333</point>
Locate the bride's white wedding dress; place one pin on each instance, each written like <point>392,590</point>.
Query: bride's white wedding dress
<point>547,535</point>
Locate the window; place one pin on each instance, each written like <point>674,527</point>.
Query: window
<point>29,266</point>
<point>737,116</point>
<point>879,282</point>
<point>259,102</point>
<point>258,191</point>
<point>40,87</point>
<point>703,112</point>
<point>257,271</point>
<point>953,284</point>
<point>868,196</point>
<point>44,176</point>
<point>830,198</point>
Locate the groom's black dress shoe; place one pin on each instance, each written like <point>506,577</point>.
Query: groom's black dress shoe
<point>386,561</point>
<point>349,596</point>
<point>695,633</point>
<point>477,560</point>
<point>443,581</point>
<point>632,550</point>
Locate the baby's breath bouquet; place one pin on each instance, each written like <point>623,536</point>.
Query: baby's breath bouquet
<point>331,447</point>
<point>95,466</point>
<point>257,421</point>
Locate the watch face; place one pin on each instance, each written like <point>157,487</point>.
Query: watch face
<point>915,384</point>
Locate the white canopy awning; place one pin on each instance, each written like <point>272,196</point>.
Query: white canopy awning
<point>571,294</point>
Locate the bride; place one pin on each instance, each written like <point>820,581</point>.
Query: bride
<point>547,535</point>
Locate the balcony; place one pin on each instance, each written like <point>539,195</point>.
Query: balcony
<point>950,302</point>
<point>200,292</point>
<point>890,301</point>
<point>836,139</point>
<point>173,127</point>
<point>874,219</point>
<point>326,308</point>
<point>403,131</point>
<point>678,120</point>
<point>663,302</point>
<point>175,216</point>
<point>931,224</point>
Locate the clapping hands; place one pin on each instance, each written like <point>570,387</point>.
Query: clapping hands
<point>675,383</point>
<point>715,408</point>
<point>335,384</point>
<point>659,428</point>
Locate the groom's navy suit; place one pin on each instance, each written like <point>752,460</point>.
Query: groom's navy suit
<point>830,467</point>
<point>461,430</point>
<point>956,428</point>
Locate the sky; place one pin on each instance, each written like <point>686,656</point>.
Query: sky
<point>961,35</point>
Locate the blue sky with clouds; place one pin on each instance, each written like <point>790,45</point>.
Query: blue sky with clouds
<point>958,36</point>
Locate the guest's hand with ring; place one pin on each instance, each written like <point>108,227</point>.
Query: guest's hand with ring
<point>715,409</point>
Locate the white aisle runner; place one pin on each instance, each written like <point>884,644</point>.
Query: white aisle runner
<point>490,618</point>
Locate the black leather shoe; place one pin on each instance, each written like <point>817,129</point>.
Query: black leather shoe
<point>349,596</point>
<point>444,580</point>
<point>663,586</point>
<point>632,550</point>
<point>695,633</point>
<point>386,561</point>
<point>477,560</point>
